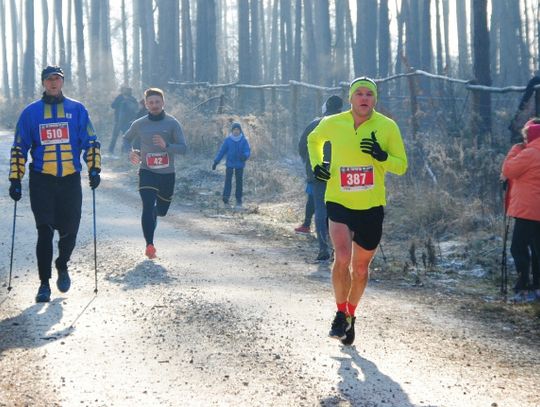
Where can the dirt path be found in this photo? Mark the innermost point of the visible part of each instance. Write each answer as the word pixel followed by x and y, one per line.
pixel 221 319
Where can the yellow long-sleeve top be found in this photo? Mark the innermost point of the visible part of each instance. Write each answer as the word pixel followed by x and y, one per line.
pixel 357 179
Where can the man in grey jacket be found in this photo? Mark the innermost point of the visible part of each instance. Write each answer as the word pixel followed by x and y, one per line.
pixel 155 139
pixel 332 105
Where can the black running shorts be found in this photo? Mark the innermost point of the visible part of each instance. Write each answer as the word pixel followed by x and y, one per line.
pixel 366 224
pixel 163 184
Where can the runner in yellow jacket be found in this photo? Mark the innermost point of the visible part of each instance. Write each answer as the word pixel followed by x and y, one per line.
pixel 365 145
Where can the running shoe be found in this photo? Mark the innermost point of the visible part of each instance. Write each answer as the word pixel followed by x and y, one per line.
pixel 303 230
pixel 349 338
pixel 44 293
pixel 339 326
pixel 323 257
pixel 150 251
pixel 64 282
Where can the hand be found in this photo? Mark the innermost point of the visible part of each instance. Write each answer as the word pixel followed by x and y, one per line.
pixel 159 141
pixel 93 176
pixel 373 148
pixel 135 157
pixel 214 166
pixel 15 190
pixel 321 172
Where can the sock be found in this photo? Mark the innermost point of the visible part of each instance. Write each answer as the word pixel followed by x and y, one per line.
pixel 351 308
pixel 342 307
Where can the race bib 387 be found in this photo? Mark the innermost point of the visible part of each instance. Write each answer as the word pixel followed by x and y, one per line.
pixel 356 178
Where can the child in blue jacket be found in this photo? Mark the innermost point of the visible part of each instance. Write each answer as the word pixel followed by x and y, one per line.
pixel 236 148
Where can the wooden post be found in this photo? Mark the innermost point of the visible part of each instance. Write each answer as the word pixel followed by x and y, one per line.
pixel 414 105
pixel 294 114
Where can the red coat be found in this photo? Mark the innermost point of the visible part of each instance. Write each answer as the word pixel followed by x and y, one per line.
pixel 522 168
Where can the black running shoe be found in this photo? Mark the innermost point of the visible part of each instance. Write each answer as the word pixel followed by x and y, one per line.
pixel 44 293
pixel 339 326
pixel 349 338
pixel 63 283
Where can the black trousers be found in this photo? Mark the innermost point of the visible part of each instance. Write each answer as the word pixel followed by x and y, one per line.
pixel 525 250
pixel 56 204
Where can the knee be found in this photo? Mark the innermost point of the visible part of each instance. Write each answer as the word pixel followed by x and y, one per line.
pixel 45 232
pixel 342 261
pixel 359 272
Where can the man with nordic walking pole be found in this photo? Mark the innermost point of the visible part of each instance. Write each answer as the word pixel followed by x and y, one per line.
pixel 56 130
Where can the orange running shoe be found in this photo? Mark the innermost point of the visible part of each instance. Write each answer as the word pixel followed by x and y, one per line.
pixel 150 251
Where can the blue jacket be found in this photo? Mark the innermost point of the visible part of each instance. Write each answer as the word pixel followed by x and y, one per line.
pixel 55 135
pixel 237 150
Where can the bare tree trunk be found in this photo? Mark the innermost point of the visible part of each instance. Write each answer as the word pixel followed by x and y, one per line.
pixel 29 71
pixel 95 55
pixel 274 44
pixel 366 37
pixel 286 41
pixel 60 33
pixel 481 124
pixel 3 44
pixel 264 41
pixel 297 65
pixel 187 43
pixel 125 63
pixel 438 38
pixel 107 74
pixel 243 42
pixel 14 49
pixel 205 48
pixel 312 73
pixel 447 58
pixel 401 18
pixel 69 48
pixel 323 41
pixel 45 33
pixel 463 45
pixel 384 39
pixel 254 46
pixel 81 59
pixel 340 50
pixel 168 41
pixel 146 20
pixel 136 37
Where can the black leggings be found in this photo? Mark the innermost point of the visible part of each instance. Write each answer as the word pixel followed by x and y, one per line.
pixel 153 206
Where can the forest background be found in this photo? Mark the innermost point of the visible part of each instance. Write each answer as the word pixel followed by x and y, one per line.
pixel 451 73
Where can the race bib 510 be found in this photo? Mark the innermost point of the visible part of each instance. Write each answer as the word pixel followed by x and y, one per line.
pixel 54 133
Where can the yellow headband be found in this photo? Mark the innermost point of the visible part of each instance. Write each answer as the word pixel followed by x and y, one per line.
pixel 363 82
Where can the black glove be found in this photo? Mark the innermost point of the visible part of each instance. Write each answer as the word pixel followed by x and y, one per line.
pixel 93 176
pixel 321 172
pixel 373 148
pixel 214 166
pixel 15 189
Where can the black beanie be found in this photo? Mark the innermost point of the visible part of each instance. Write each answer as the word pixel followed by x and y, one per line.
pixel 334 104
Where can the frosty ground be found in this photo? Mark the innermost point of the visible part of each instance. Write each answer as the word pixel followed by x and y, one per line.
pixel 232 314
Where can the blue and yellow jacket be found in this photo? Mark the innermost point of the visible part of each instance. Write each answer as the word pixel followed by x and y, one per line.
pixel 55 131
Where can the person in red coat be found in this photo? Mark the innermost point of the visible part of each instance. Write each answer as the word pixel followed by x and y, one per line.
pixel 521 168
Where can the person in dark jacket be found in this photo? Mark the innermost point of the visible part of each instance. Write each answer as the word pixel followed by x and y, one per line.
pixel 125 109
pixel 315 188
pixel 236 148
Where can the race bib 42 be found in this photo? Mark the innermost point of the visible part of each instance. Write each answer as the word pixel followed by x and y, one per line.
pixel 157 160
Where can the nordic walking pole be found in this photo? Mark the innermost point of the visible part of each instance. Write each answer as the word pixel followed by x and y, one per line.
pixel 382 252
pixel 504 269
pixel 12 246
pixel 95 241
